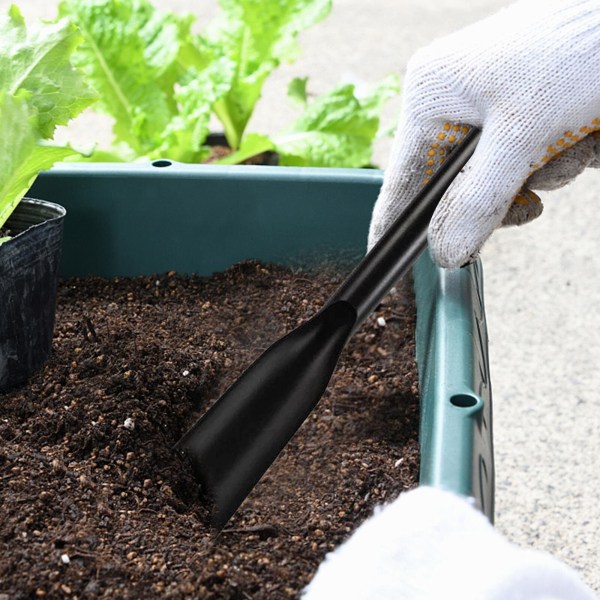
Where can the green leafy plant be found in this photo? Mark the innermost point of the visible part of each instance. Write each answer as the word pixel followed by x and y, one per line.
pixel 138 59
pixel 256 36
pixel 161 83
pixel 336 129
pixel 39 89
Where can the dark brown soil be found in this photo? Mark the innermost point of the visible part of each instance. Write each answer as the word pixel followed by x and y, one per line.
pixel 93 501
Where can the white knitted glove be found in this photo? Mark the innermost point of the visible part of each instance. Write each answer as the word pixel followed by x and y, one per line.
pixel 430 544
pixel 529 77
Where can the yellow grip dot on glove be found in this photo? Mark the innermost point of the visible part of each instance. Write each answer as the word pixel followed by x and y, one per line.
pixel 526 205
pixel 440 148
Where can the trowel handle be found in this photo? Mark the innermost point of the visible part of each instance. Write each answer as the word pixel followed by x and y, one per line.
pixel 405 239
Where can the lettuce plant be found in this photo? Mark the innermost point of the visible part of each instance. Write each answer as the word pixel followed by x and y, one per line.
pixel 336 129
pixel 161 83
pixel 138 58
pixel 256 36
pixel 39 89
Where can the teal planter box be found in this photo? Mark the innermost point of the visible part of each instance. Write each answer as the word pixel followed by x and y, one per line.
pixel 133 219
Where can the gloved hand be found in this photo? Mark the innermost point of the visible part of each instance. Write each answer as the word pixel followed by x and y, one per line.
pixel 430 544
pixel 528 77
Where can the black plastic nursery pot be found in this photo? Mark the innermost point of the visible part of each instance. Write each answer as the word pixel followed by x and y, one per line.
pixel 29 264
pixel 141 219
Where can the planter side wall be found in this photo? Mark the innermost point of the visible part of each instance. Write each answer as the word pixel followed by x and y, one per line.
pixel 454 380
pixel 127 220
pixel 133 219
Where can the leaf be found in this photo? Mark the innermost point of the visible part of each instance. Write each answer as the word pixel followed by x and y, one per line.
pixel 118 153
pixel 252 145
pixel 373 99
pixel 257 35
pixel 336 130
pixel 297 91
pixel 35 64
pixel 39 89
pixel 332 132
pixel 130 54
pixel 185 134
pixel 23 157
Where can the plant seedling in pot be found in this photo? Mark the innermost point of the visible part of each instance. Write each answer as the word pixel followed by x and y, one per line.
pixel 39 89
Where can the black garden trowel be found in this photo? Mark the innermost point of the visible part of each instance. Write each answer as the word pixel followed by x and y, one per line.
pixel 236 441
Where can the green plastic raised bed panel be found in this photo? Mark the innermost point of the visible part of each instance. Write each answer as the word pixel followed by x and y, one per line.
pixel 134 219
pixel 454 379
pixel 137 218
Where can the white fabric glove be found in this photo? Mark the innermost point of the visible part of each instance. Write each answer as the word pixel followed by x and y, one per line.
pixel 529 77
pixel 430 544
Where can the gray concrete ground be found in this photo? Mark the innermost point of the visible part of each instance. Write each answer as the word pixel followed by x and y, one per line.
pixel 542 286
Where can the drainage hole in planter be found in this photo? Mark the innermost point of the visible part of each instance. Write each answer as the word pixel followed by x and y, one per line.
pixel 162 163
pixel 464 401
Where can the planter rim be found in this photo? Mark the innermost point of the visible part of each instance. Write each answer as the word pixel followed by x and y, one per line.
pixel 167 168
pixel 50 211
pixel 60 211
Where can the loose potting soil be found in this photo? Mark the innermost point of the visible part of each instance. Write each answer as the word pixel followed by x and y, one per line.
pixel 95 503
